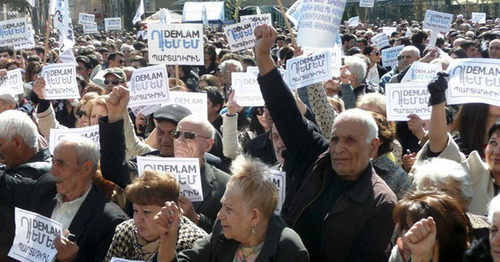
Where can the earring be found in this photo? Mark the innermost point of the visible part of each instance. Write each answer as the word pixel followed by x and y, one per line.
pixel 254 230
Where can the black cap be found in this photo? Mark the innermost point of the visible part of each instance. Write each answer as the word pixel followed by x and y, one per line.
pixel 172 113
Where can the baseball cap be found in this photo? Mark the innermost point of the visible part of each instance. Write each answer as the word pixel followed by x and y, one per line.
pixel 118 72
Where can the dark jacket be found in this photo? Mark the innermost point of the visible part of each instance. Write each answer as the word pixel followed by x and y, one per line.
pixel 93 225
pixel 281 245
pixel 359 226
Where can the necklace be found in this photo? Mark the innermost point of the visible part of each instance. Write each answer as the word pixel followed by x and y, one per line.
pixel 246 252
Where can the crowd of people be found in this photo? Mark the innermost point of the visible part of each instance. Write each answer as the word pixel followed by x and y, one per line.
pixel 358 187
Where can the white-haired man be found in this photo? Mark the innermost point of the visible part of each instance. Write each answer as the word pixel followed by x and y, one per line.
pixel 335 201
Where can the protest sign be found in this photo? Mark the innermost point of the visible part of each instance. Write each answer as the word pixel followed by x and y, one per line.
pixel 172 44
pixel 353 21
pixel 478 18
pixel 308 70
pixel 14 32
pixel 64 25
pixel 113 23
pixel 60 81
pixel 149 85
pixel 84 18
pixel 29 43
pixel 475 80
pixel 12 82
pixel 319 22
pixel 404 99
pixel 380 40
pixel 90 29
pixel 35 236
pixel 246 89
pixel 116 259
pixel 145 109
pixel 388 30
pixel 68 57
pixel 57 134
pixel 437 21
pixel 421 72
pixel 186 171
pixel 279 180
pixel 335 57
pixel 195 102
pixel 366 3
pixel 390 55
pixel 256 20
pixel 293 13
pixel 240 36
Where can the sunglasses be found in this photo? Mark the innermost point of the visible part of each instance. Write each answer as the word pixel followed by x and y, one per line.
pixel 187 134
pixel 81 114
pixel 260 111
pixel 114 81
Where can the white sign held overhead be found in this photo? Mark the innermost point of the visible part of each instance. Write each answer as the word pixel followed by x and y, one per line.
pixel 113 23
pixel 307 70
pixel 149 85
pixel 319 22
pixel 478 17
pixel 56 135
pixel 437 21
pixel 380 40
pixel 14 32
pixel 256 20
pixel 13 82
pixel 84 18
pixel 186 170
pixel 366 3
pixel 353 21
pixel 68 57
pixel 60 81
pixel 240 36
pixel 35 237
pixel 421 72
pixel 474 80
pixel 388 30
pixel 293 13
pixel 90 29
pixel 279 180
pixel 171 44
pixel 195 102
pixel 246 89
pixel 403 99
pixel 390 55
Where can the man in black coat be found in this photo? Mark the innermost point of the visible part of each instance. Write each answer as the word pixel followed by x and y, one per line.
pixel 67 195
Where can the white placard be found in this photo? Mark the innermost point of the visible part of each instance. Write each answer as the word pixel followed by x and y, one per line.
pixel 474 80
pixel 14 32
pixel 246 89
pixel 293 13
pixel 380 40
pixel 113 23
pixel 116 259
pixel 256 20
pixel 186 170
pixel 30 43
pixel 90 29
pixel 437 21
pixel 35 236
pixel 172 44
pixel 279 180
pixel 308 70
pixel 149 85
pixel 388 30
pixel 404 99
pixel 240 36
pixel 90 132
pixel 145 110
pixel 13 81
pixel 478 17
pixel 335 57
pixel 60 81
pixel 319 22
pixel 421 72
pixel 84 18
pixel 195 102
pixel 390 55
pixel 366 3
pixel 353 21
pixel 68 57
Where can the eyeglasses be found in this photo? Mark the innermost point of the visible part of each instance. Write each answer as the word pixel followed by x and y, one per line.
pixel 377 53
pixel 260 111
pixel 187 134
pixel 81 114
pixel 114 81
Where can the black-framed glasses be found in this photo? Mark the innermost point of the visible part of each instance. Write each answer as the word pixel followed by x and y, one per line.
pixel 114 81
pixel 187 134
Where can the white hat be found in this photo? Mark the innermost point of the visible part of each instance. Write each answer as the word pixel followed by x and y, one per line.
pixel 9 97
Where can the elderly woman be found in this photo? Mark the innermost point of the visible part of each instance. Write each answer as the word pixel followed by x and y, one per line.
pixel 246 230
pixel 139 238
pixel 433 225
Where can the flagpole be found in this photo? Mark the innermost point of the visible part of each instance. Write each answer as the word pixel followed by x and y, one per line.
pixel 47 35
pixel 294 42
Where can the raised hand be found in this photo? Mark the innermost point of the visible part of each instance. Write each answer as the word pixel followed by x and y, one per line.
pixel 117 103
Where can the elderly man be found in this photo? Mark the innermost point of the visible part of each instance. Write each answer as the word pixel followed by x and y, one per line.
pixel 175 137
pixel 21 157
pixel 406 57
pixel 7 101
pixel 335 201
pixel 67 195
pixel 227 68
pixel 494 48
